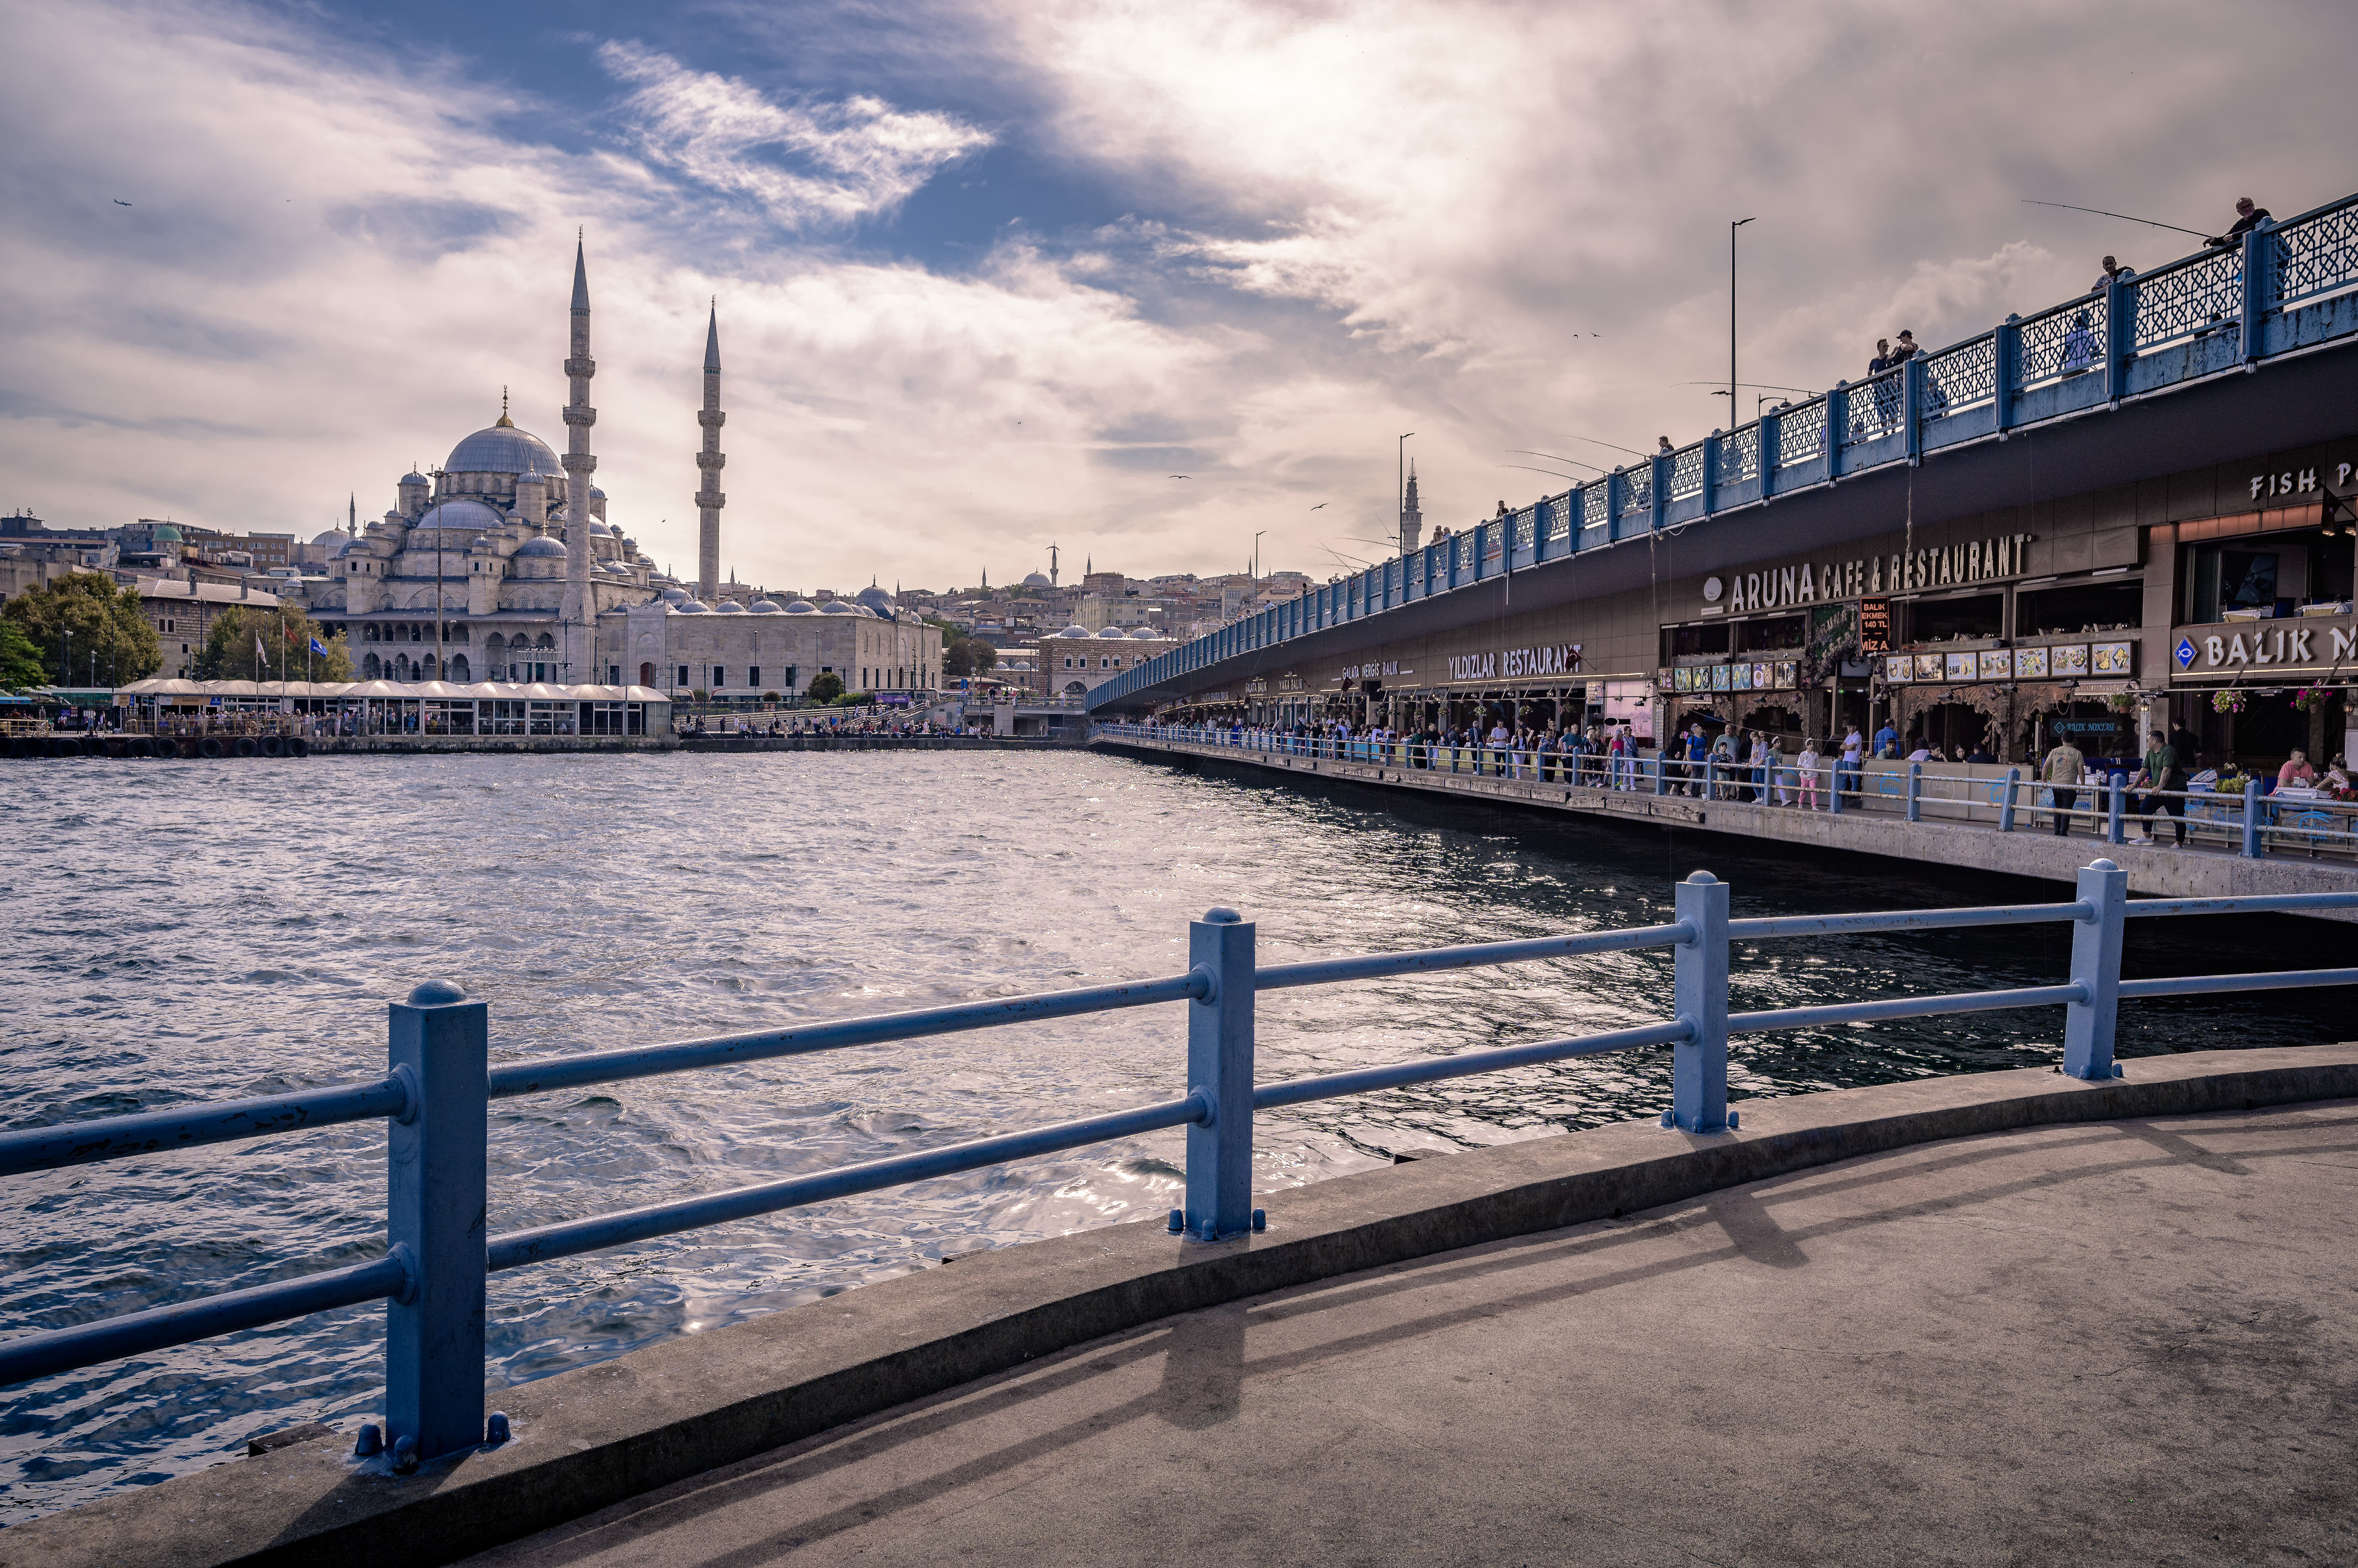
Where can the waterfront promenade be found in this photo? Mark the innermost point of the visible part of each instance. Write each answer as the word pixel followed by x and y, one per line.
pixel 2000 1317
pixel 2211 867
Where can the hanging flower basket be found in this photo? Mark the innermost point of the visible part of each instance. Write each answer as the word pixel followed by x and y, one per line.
pixel 2309 698
pixel 2122 702
pixel 2228 701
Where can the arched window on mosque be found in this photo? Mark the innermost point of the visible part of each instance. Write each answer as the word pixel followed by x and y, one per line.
pixel 370 670
pixel 459 670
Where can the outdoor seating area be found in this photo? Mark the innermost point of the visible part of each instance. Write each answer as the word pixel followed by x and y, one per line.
pixel 173 706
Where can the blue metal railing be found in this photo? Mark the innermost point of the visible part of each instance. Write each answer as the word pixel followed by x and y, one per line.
pixel 436 1094
pixel 2287 286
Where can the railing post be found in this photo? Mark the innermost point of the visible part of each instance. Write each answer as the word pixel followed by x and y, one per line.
pixel 2251 819
pixel 1710 778
pixel 439 1042
pixel 2096 969
pixel 1837 426
pixel 1662 770
pixel 2006 807
pixel 2120 336
pixel 2006 372
pixel 2259 272
pixel 1699 982
pixel 1772 426
pixel 2114 807
pixel 1915 784
pixel 1911 396
pixel 1834 796
pixel 1711 448
pixel 1220 1068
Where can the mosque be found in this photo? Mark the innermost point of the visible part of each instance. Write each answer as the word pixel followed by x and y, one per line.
pixel 504 566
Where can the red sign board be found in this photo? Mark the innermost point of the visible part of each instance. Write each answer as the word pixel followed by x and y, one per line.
pixel 1874 626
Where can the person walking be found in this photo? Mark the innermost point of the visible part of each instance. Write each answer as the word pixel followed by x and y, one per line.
pixel 2160 772
pixel 1697 750
pixel 1806 764
pixel 2062 772
pixel 1847 773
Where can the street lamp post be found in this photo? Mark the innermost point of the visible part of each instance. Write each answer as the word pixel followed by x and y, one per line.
pixel 1732 227
pixel 1399 483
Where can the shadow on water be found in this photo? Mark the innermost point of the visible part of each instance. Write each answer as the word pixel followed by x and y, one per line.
pixel 203 931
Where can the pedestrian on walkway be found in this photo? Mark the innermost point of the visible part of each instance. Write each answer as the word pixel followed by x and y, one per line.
pixel 1697 750
pixel 1846 776
pixel 2160 772
pixel 1806 764
pixel 2062 771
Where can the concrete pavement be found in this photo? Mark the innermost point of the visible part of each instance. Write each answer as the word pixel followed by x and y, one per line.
pixel 2129 1342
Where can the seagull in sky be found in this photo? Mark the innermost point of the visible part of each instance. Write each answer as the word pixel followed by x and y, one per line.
pixel 120 203
pixel 1179 476
pixel 1321 506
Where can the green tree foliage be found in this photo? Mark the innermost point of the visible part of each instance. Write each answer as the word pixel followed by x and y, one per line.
pixel 104 621
pixel 826 688
pixel 852 699
pixel 969 656
pixel 285 632
pixel 20 661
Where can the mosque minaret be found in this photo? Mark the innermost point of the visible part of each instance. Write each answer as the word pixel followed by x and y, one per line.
pixel 709 464
pixel 504 567
pixel 579 615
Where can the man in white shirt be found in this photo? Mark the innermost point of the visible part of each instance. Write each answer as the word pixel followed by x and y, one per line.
pixel 1847 773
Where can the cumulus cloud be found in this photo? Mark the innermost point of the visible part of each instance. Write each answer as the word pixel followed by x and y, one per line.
pixel 806 163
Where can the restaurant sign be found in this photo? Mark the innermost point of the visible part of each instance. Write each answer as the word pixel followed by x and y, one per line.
pixel 1517 663
pixel 2266 644
pixel 1976 560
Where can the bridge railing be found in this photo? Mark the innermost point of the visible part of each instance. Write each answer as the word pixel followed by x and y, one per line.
pixel 439 1081
pixel 2222 308
pixel 2251 817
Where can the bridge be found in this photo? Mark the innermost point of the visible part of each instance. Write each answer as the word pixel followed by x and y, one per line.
pixel 2211 358
pixel 438 1476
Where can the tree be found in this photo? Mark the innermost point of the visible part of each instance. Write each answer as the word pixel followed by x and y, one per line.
pixel 20 660
pixel 969 656
pixel 287 632
pixel 825 689
pixel 101 619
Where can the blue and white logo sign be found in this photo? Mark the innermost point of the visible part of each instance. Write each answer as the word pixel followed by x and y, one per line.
pixel 2185 652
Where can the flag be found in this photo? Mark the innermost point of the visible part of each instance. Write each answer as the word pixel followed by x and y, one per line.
pixel 317 648
pixel 261 656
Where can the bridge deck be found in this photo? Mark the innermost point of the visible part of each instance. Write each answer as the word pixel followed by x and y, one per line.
pixel 2130 1342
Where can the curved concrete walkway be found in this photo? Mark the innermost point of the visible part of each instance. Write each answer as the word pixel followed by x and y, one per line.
pixel 2131 1342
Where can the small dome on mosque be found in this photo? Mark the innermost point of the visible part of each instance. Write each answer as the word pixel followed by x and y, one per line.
pixel 673 595
pixel 599 530
pixel 1115 631
pixel 544 546
pixel 454 516
pixel 618 568
pixel 1038 580
pixel 693 607
pixel 413 478
pixel 838 606
pixel 729 607
pixel 1146 632
pixel 876 599
pixel 330 540
pixel 503 448
pixel 597 494
pixel 802 607
pixel 1075 631
pixel 767 607
pixel 480 542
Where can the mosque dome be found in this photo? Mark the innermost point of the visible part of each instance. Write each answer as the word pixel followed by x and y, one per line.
pixel 599 530
pixel 470 517
pixel 802 607
pixel 875 599
pixel 729 607
pixel 413 478
pixel 1114 632
pixel 1147 632
pixel 767 607
pixel 1038 580
pixel 503 448
pixel 673 595
pixel 330 540
pixel 597 494
pixel 693 607
pixel 618 568
pixel 838 606
pixel 480 542
pixel 541 546
pixel 1075 631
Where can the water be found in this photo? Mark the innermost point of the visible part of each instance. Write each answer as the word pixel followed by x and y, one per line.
pixel 205 930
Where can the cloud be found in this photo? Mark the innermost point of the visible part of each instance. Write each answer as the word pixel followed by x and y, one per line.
pixel 861 156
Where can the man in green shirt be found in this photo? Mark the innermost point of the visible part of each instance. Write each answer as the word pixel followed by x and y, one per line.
pixel 2160 772
pixel 2062 772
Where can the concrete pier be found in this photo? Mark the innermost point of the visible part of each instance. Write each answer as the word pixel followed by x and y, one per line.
pixel 2001 1317
pixel 2210 867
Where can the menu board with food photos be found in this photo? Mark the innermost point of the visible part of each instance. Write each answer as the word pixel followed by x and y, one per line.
pixel 2030 664
pixel 1960 667
pixel 2067 659
pixel 1929 666
pixel 1899 668
pixel 2112 659
pixel 1997 663
pixel 1788 673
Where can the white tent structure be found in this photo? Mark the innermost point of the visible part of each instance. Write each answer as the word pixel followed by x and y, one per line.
pixel 427 707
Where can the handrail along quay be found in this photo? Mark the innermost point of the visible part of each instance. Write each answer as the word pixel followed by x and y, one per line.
pixel 439 1081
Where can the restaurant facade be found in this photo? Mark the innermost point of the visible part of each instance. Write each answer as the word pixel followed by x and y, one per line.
pixel 2215 601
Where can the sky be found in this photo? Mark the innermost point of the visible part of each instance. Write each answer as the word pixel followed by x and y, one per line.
pixel 990 275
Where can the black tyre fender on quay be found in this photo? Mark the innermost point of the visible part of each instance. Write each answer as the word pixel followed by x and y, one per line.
pixel 296 746
pixel 245 746
pixel 272 746
pixel 65 746
pixel 211 746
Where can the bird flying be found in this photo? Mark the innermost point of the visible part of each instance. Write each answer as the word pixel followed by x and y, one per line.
pixel 1178 476
pixel 1320 507
pixel 120 203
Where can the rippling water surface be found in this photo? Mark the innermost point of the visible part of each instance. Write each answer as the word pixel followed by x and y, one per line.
pixel 206 930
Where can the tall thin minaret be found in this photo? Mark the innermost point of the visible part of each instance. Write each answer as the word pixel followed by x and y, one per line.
pixel 580 615
pixel 709 499
pixel 1411 521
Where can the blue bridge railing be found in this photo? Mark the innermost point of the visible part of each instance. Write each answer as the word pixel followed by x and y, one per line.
pixel 439 1081
pixel 2286 287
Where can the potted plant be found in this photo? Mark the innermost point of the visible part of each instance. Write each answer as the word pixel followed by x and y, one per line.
pixel 2227 699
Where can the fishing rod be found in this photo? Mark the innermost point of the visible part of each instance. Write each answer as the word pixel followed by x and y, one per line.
pixel 1576 462
pixel 2122 216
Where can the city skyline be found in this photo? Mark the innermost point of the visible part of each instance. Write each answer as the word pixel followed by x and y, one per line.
pixel 991 278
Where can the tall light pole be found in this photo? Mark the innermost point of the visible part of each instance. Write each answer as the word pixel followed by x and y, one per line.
pixel 1400 483
pixel 1732 227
